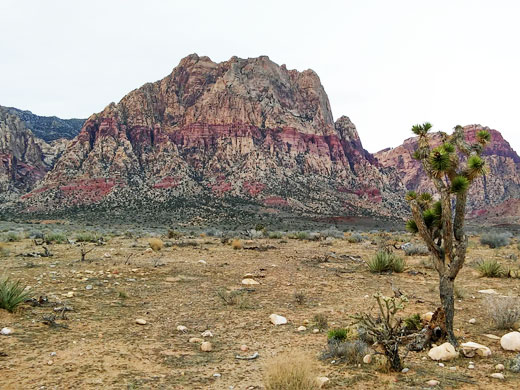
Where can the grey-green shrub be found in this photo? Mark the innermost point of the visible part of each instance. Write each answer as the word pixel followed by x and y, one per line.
pixel 495 240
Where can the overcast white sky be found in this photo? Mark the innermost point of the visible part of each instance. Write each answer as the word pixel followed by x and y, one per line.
pixel 385 64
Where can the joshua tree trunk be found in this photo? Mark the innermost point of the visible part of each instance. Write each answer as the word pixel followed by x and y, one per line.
pixel 392 353
pixel 446 288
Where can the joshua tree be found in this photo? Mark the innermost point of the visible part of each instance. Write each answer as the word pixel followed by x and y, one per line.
pixel 452 166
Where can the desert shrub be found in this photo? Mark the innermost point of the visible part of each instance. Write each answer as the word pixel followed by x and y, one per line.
pixel 299 297
pixel 385 261
pixel 4 251
pixel 341 334
pixel 350 351
pixel 187 243
pixel 355 238
pixel 56 238
pixel 234 298
pixel 415 249
pixel 236 244
pixel 174 234
pixel 299 236
pixel 413 322
pixel 490 268
pixel 156 244
pixel 513 364
pixel 504 311
pixel 212 232
pixel 460 292
pixel 320 321
pixel 331 232
pixel 12 294
pixel 87 237
pixel 275 235
pixel 255 233
pixel 12 237
pixel 495 240
pixel 294 371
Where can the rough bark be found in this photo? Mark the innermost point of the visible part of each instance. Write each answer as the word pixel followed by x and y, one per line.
pixel 446 288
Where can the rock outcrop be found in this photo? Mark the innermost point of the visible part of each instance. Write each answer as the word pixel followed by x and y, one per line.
pixel 488 194
pixel 244 131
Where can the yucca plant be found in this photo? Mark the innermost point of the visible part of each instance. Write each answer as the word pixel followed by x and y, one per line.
pixel 451 167
pixel 491 269
pixel 384 261
pixel 12 294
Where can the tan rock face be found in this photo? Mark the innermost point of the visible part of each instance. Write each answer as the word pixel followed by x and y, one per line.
pixel 242 129
pixel 488 194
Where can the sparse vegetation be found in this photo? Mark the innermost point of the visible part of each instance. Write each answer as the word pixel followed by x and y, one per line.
pixel 415 250
pixel 413 322
pixel 12 237
pixel 355 238
pixel 504 311
pixel 236 244
pixel 294 371
pixel 275 235
pixel 4 251
pixel 56 238
pixel 156 244
pixel 87 237
pixel 351 352
pixel 490 268
pixel 320 321
pixel 385 261
pixel 12 294
pixel 495 240
pixel 299 297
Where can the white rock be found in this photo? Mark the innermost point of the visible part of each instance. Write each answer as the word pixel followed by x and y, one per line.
pixel 203 262
pixel 6 331
pixel 471 349
pixel 433 382
pixel 453 368
pixel 427 317
pixel 499 367
pixel 206 346
pixel 217 375
pixel 302 329
pixel 207 333
pixel 443 352
pixel 492 336
pixel 367 359
pixel 497 375
pixel 315 330
pixel 471 366
pixel 53 353
pixel 488 291
pixel 140 321
pixel 182 328
pixel 472 321
pixel 107 255
pixel 405 370
pixel 244 348
pixel 322 381
pixel 70 294
pixel 89 287
pixel 249 282
pixel 511 341
pixel 441 364
pixel 277 319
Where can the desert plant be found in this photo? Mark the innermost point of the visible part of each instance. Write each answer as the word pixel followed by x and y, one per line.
pixel 413 322
pixel 12 294
pixel 352 351
pixel 56 238
pixel 490 268
pixel 320 321
pixel 339 334
pixel 504 311
pixel 495 240
pixel 84 251
pixel 12 237
pixel 384 261
pixel 274 235
pixel 294 371
pixel 236 244
pixel 415 249
pixel 156 244
pixel 355 238
pixel 441 227
pixel 299 297
pixel 386 329
pixel 4 251
pixel 87 237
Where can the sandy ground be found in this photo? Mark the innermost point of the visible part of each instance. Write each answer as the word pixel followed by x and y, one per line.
pixel 102 346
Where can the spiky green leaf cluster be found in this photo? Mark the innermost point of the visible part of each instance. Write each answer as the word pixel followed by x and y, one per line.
pixel 439 160
pixel 411 195
pixel 421 129
pixel 483 137
pixel 459 184
pixel 411 226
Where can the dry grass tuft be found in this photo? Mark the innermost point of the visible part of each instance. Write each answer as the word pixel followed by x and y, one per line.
pixel 292 371
pixel 504 311
pixel 236 244
pixel 156 244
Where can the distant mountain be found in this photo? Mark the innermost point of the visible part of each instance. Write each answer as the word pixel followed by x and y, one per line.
pixel 501 184
pixel 48 128
pixel 244 133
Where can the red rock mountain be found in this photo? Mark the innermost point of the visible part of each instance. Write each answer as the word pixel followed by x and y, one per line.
pixel 487 194
pixel 241 132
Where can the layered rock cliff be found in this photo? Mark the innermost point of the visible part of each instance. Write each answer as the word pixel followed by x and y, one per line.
pixel 245 130
pixel 487 193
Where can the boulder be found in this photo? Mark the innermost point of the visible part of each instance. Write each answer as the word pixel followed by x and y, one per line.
pixel 443 352
pixel 277 319
pixel 471 349
pixel 511 341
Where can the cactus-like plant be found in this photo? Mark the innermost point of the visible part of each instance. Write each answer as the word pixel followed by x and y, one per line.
pixel 452 167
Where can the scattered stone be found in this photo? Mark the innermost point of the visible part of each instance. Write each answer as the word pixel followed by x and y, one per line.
pixel 443 352
pixel 217 375
pixel 315 330
pixel 305 322
pixel 89 287
pixel 107 255
pixel 499 367
pixel 148 250
pixel 471 366
pixel 203 262
pixel 182 328
pixel 248 276
pixel 322 381
pixel 511 341
pixel 50 362
pixel 70 294
pixel 302 329
pixel 433 383
pixel 207 333
pixel 140 321
pixel 206 346
pixel 53 353
pixel 250 357
pixel 453 368
pixel 249 282
pixel 497 375
pixel 441 364
pixel 244 348
pixel 471 349
pixel 488 291
pixel 196 340
pixel 367 359
pixel 277 319
pixel 405 370
pixel 427 317
pixel 6 331
pixel 492 336
pixel 472 321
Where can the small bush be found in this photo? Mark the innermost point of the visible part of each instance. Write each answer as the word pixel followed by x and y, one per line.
pixel 495 240
pixel 504 311
pixel 174 234
pixel 234 298
pixel 355 238
pixel 299 236
pixel 299 297
pixel 384 261
pixel 236 244
pixel 320 321
pixel 490 269
pixel 331 232
pixel 13 237
pixel 413 323
pixel 4 251
pixel 87 237
pixel 350 351
pixel 56 238
pixel 415 250
pixel 156 244
pixel 275 235
pixel 340 334
pixel 12 294
pixel 459 292
pixel 294 371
